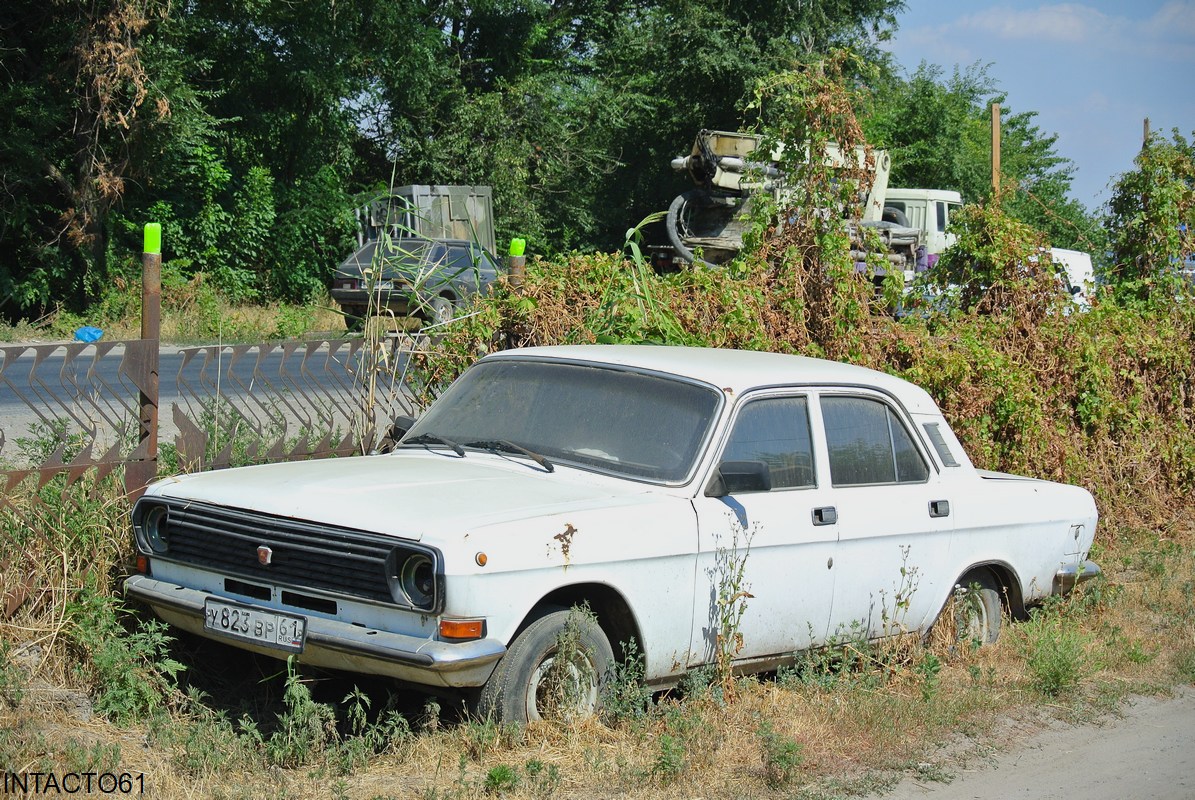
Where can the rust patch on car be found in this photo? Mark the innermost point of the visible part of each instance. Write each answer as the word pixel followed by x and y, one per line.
pixel 565 538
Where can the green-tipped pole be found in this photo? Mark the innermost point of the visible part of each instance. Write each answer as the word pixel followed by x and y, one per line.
pixel 153 239
pixel 517 262
pixel 143 467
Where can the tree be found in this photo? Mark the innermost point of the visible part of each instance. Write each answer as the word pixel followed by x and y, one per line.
pixel 938 131
pixel 1151 221
pixel 77 95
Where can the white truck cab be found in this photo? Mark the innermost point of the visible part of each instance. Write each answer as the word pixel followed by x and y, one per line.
pixel 928 210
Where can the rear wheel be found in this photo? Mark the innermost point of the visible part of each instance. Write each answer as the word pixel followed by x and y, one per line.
pixel 354 317
pixel 978 610
pixel 554 670
pixel 441 310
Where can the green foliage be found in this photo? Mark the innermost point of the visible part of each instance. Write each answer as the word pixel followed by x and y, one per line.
pixel 501 779
pixel 997 264
pixel 305 729
pixel 1152 222
pixel 733 592
pixel 671 758
pixel 1056 650
pixel 782 756
pixel 625 695
pixel 12 679
pixel 133 672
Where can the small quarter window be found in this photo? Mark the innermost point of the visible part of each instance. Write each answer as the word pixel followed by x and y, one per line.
pixel 775 430
pixel 868 444
pixel 939 442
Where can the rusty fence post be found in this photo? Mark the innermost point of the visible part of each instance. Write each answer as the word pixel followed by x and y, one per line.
pixel 144 466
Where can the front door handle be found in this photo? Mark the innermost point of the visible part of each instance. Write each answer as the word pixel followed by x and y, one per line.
pixel 827 515
pixel 939 508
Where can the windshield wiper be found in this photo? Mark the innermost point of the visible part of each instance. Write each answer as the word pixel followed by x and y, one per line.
pixel 424 438
pixel 502 445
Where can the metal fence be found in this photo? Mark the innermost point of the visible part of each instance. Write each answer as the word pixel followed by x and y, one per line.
pixel 127 410
pixel 71 408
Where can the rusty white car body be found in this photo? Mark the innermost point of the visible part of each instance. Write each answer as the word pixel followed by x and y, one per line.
pixel 621 477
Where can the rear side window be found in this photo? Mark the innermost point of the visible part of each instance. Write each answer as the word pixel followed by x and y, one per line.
pixel 775 430
pixel 939 442
pixel 868 444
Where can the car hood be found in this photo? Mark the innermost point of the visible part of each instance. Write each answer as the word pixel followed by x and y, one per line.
pixel 406 494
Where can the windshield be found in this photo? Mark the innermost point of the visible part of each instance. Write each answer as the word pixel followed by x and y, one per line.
pixel 641 426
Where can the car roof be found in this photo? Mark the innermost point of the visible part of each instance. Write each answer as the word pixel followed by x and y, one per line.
pixel 736 370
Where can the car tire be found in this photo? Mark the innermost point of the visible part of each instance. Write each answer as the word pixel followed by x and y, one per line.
pixel 527 686
pixel 978 610
pixel 441 310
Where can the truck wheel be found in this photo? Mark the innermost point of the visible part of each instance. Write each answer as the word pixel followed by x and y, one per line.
pixel 679 224
pixel 545 676
pixel 978 610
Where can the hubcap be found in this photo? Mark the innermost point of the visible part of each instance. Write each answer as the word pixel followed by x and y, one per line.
pixel 566 691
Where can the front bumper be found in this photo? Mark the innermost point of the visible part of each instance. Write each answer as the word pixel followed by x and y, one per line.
pixel 340 645
pixel 1071 575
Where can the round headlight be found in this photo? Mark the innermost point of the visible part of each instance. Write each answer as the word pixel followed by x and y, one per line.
pixel 153 527
pixel 418 580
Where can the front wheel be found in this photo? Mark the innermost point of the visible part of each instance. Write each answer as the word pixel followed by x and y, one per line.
pixel 554 670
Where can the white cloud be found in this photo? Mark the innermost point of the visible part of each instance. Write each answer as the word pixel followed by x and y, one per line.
pixel 1173 21
pixel 1065 23
pixel 1169 33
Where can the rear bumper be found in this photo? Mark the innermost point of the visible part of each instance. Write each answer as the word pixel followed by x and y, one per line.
pixel 340 645
pixel 397 300
pixel 1071 575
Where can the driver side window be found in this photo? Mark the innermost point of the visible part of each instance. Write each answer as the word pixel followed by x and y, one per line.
pixel 775 430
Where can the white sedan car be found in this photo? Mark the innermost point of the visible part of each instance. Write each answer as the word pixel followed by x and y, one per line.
pixel 626 478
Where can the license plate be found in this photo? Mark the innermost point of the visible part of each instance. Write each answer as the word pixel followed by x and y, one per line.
pixel 267 628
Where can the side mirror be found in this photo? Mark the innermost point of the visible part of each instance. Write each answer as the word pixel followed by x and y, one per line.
pixel 399 428
pixel 733 477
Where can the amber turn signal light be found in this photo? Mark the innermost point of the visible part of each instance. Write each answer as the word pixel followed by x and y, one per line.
pixel 462 628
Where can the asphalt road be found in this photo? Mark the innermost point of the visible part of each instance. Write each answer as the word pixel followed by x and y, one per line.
pixel 1148 754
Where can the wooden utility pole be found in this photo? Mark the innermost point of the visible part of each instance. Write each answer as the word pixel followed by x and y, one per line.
pixel 1145 133
pixel 996 150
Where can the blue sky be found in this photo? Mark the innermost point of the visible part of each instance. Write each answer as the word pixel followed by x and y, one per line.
pixel 1093 70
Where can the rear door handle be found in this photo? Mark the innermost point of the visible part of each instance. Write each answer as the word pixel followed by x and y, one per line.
pixel 939 508
pixel 827 515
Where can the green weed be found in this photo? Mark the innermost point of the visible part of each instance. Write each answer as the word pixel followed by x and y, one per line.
pixel 670 760
pixel 782 756
pixel 1055 651
pixel 625 697
pixel 132 671
pixel 542 780
pixel 501 779
pixel 305 729
pixel 730 567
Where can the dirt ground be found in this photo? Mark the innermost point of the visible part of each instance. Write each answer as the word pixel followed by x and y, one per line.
pixel 1148 753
